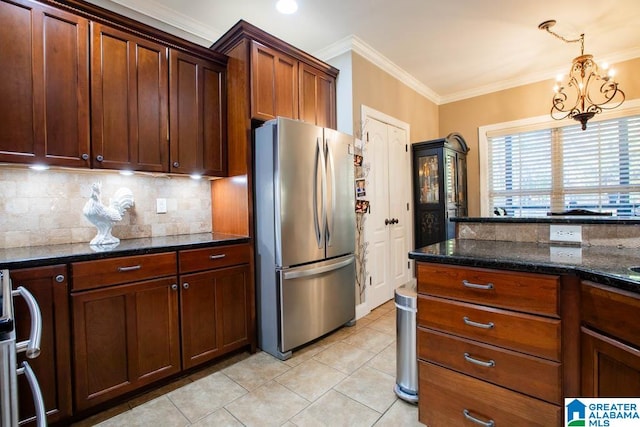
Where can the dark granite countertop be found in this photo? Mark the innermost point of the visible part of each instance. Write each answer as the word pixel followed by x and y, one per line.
pixel 35 256
pixel 555 219
pixel 601 264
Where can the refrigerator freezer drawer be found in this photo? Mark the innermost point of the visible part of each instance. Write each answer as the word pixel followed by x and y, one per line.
pixel 315 300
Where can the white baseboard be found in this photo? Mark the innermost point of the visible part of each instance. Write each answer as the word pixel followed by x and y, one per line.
pixel 362 310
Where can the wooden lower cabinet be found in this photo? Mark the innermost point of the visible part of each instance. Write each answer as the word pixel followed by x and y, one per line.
pixel 448 398
pixel 49 286
pixel 610 368
pixel 125 337
pixel 214 308
pixel 610 342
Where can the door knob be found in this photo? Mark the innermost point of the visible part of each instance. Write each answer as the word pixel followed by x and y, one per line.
pixel 395 221
pixel 386 221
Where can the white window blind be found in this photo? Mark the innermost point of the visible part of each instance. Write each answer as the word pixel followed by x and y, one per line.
pixel 535 172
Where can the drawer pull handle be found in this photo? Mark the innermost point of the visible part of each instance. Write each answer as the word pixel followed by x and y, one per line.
pixel 476 324
pixel 489 364
pixel 486 287
pixel 470 417
pixel 214 257
pixel 131 268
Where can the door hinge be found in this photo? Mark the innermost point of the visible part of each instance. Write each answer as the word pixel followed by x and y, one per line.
pixel 367 136
pixel 408 265
pixel 407 205
pixel 370 283
pixel 406 148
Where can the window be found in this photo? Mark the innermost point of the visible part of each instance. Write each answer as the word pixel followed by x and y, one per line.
pixel 533 172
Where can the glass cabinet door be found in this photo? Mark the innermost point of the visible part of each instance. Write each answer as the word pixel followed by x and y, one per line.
pixel 451 167
pixel 462 181
pixel 428 179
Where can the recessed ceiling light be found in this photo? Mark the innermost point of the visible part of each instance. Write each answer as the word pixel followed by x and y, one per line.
pixel 287 6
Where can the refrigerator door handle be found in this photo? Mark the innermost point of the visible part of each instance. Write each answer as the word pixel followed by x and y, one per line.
pixel 332 173
pixel 316 219
pixel 318 270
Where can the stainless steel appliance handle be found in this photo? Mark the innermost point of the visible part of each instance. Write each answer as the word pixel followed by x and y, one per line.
pixel 332 172
pixel 318 270
pixel 316 220
pixel 38 401
pixel 32 346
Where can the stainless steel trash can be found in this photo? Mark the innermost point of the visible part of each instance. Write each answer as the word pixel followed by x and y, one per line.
pixel 406 299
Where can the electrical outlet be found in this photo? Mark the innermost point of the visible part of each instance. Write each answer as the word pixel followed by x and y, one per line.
pixel 161 206
pixel 565 233
pixel 567 254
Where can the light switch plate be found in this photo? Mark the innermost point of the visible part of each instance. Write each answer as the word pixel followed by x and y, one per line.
pixel 565 233
pixel 161 206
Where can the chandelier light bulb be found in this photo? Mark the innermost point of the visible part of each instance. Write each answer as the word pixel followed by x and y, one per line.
pixel 605 65
pixel 287 6
pixel 559 77
pixel 611 73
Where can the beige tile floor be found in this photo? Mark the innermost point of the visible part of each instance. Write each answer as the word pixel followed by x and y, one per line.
pixel 345 379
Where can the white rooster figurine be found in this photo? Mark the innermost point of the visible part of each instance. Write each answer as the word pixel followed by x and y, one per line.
pixel 104 217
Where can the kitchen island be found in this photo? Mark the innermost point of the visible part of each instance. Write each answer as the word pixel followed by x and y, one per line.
pixel 507 330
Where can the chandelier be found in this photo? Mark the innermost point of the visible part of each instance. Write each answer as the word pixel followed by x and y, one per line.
pixel 587 92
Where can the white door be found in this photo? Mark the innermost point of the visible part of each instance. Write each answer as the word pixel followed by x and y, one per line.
pixel 388 223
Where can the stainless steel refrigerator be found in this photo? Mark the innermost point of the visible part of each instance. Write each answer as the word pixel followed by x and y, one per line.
pixel 305 233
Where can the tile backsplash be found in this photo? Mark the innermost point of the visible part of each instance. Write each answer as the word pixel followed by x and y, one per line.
pixel 45 208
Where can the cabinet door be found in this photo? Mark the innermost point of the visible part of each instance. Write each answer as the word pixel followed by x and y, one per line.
pixel 124 337
pixel 129 107
pixel 49 286
pixel 198 120
pixel 317 97
pixel 44 113
pixel 274 84
pixel 610 368
pixel 214 310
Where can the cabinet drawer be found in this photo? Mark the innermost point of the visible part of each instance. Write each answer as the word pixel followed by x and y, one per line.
pixel 113 271
pixel 493 364
pixel 535 335
pixel 611 310
pixel 526 292
pixel 208 258
pixel 446 396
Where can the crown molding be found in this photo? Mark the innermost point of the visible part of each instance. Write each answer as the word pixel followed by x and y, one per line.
pixel 357 45
pixel 612 59
pixel 172 17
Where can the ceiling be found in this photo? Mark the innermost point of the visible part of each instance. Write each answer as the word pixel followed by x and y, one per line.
pixel 447 50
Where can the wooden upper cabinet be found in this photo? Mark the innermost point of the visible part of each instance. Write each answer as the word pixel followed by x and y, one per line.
pixel 274 84
pixel 197 116
pixel 129 100
pixel 44 113
pixel 317 97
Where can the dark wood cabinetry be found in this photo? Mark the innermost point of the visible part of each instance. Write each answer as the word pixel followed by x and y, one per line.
pixel 53 52
pixel 439 188
pixel 50 286
pixel 135 322
pixel 610 341
pixel 274 83
pixel 44 113
pixel 125 336
pixel 216 302
pixel 129 101
pixel 478 331
pixel 197 116
pixel 317 97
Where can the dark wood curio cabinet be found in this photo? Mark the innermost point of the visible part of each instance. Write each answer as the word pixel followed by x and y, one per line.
pixel 439 187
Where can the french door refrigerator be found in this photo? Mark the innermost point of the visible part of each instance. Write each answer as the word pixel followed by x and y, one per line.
pixel 305 233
